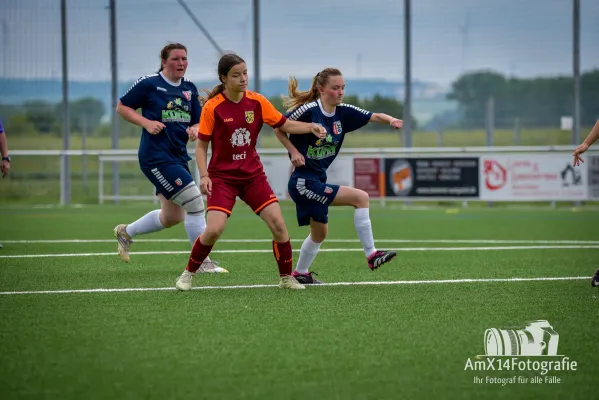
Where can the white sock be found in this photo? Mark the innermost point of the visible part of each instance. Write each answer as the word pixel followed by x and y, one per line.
pixel 364 230
pixel 195 225
pixel 147 224
pixel 307 255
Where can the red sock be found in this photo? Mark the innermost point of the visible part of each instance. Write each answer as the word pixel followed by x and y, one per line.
pixel 199 252
pixel 284 257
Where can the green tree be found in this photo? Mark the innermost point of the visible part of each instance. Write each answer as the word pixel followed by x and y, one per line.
pixel 385 105
pixel 536 102
pixel 41 114
pixel 84 114
pixel 19 125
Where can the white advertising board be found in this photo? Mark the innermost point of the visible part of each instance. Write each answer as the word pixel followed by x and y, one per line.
pixel 279 168
pixel 531 177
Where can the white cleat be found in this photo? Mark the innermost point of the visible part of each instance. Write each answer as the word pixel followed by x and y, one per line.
pixel 289 282
pixel 211 267
pixel 124 241
pixel 184 281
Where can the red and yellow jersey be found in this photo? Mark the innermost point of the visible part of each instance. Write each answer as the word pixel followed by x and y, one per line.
pixel 233 129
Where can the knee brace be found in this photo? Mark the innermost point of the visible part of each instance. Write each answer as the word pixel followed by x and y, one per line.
pixel 190 199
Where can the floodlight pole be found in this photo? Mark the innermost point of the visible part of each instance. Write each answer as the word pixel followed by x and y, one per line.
pixel 576 70
pixel 65 174
pixel 407 106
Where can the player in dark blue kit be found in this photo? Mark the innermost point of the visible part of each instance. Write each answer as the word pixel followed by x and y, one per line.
pixel 170 116
pixel 311 156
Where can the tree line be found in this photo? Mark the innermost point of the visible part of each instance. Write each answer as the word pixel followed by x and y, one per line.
pixel 87 115
pixel 534 102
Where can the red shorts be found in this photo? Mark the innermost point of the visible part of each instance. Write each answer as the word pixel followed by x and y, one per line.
pixel 255 192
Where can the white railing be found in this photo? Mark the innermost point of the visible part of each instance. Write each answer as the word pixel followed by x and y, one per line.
pixel 342 171
pixel 346 150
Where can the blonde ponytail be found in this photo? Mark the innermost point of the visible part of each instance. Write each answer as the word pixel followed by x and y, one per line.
pixel 297 98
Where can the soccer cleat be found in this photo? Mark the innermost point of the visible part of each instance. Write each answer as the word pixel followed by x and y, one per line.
pixel 184 281
pixel 595 280
pixel 211 267
pixel 379 258
pixel 289 282
pixel 124 241
pixel 307 279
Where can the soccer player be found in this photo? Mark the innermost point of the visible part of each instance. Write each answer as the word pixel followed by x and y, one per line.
pixel 231 119
pixel 308 186
pixel 592 137
pixel 169 107
pixel 5 165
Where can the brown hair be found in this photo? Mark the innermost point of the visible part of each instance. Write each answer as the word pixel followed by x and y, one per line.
pixel 225 64
pixel 166 51
pixel 297 98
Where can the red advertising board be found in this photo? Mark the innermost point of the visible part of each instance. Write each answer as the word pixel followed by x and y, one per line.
pixel 367 175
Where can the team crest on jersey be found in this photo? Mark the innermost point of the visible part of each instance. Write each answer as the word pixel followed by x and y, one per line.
pixel 337 128
pixel 187 95
pixel 249 117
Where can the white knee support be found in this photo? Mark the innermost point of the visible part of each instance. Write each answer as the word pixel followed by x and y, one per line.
pixel 190 199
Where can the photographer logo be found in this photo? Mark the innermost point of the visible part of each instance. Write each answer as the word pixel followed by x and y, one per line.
pixel 530 349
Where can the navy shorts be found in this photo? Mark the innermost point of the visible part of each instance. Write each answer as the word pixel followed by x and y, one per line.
pixel 312 198
pixel 168 179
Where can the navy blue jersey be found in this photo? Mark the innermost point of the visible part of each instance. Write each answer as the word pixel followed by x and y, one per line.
pixel 176 106
pixel 320 153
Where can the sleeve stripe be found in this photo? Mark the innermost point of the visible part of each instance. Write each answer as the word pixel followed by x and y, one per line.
pixel 139 80
pixel 301 110
pixel 355 108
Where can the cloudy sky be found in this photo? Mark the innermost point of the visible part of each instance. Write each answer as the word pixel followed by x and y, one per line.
pixel 364 38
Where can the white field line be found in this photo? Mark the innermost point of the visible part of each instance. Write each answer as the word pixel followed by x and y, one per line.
pixel 495 248
pixel 375 283
pixel 450 241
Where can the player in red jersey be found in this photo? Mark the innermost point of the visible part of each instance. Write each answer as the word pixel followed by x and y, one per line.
pixel 231 119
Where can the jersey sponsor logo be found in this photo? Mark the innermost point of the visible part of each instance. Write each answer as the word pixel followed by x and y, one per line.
pixel 178 182
pixel 249 117
pixel 175 116
pixel 328 190
pixel 237 157
pixel 241 137
pixel 228 120
pixel 337 128
pixel 327 139
pixel 319 153
pixel 176 111
pixel 187 94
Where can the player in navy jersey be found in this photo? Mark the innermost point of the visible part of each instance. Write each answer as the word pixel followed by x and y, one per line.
pixel 170 108
pixel 591 138
pixel 308 186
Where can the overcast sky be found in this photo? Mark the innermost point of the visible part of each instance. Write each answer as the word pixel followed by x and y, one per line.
pixel 363 38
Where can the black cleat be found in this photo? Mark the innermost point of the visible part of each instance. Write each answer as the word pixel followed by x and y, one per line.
pixel 379 258
pixel 595 280
pixel 307 279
